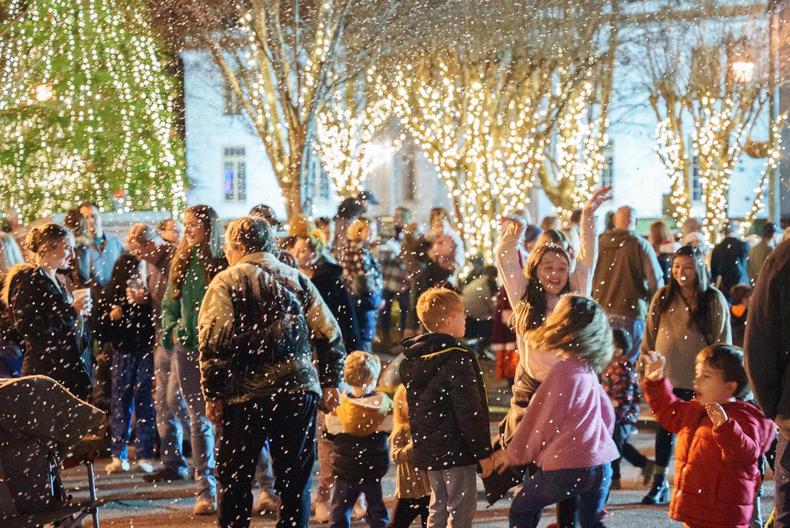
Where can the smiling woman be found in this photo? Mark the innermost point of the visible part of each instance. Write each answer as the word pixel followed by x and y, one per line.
pixel 46 315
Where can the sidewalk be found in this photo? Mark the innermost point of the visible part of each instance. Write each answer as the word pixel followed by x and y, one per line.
pixel 128 501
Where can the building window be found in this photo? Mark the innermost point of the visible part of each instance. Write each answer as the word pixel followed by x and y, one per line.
pixel 607 171
pixel 409 175
pixel 231 101
pixel 235 174
pixel 696 185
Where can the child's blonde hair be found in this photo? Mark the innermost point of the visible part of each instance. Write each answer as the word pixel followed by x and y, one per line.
pixel 357 227
pixel 400 411
pixel 579 327
pixel 361 368
pixel 435 305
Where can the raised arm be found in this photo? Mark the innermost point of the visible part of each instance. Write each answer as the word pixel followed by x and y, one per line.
pixel 508 263
pixel 581 281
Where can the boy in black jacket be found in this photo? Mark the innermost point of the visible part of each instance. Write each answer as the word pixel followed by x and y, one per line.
pixel 448 409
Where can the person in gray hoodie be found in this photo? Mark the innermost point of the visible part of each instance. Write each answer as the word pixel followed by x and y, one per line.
pixel 626 276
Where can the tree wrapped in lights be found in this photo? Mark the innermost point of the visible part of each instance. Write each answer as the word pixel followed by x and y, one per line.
pixel 86 110
pixel 283 62
pixel 484 109
pixel 347 126
pixel 697 90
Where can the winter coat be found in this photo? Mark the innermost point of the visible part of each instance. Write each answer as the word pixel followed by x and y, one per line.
pixel 568 423
pixel 180 316
pixel 258 325
pixel 328 280
pixel 728 264
pixel 632 262
pixel 448 407
pixel 360 429
pixel 757 256
pixel 410 482
pixel 361 274
pixel 134 331
pixel 767 341
pixel 716 477
pixel 54 334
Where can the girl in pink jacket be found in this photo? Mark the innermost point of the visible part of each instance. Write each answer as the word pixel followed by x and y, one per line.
pixel 565 435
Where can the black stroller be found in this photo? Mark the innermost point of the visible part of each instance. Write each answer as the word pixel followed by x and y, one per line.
pixel 39 422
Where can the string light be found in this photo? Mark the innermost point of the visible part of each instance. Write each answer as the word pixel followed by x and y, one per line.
pixel 774 156
pixel 86 111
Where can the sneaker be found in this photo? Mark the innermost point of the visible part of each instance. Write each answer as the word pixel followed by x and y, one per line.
pixel 360 509
pixel 267 503
pixel 165 475
pixel 321 512
pixel 145 465
pixel 117 466
pixel 205 507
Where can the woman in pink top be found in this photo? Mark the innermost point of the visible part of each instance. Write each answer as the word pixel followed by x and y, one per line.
pixel 565 434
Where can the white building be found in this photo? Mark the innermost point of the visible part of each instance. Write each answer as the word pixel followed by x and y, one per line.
pixel 228 168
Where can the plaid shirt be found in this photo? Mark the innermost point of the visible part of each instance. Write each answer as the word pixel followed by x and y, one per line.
pixel 394 270
pixel 359 267
pixel 620 383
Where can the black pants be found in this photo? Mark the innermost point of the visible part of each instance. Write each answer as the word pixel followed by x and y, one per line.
pixel 287 421
pixel 665 441
pixel 621 434
pixel 406 510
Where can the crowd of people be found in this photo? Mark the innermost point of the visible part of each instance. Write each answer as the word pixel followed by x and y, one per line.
pixel 262 340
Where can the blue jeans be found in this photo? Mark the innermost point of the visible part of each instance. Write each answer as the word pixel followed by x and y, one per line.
pixel 590 486
pixel 635 328
pixel 346 494
pixel 132 390
pixel 367 319
pixel 171 410
pixel 287 421
pixel 202 432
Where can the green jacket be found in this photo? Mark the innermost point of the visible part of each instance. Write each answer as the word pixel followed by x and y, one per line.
pixel 180 316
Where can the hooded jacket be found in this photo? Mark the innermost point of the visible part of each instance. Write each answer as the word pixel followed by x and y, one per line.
pixel 716 478
pixel 258 325
pixel 767 341
pixel 448 409
pixel 626 275
pixel 360 427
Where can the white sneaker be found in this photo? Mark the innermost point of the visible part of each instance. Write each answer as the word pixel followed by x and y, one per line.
pixel 321 512
pixel 205 507
pixel 267 503
pixel 145 465
pixel 360 509
pixel 117 466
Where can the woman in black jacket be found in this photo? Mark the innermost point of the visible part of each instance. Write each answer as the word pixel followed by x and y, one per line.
pixel 47 316
pixel 124 317
pixel 327 276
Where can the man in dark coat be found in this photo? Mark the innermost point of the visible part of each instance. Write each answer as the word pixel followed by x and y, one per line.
pixel 767 356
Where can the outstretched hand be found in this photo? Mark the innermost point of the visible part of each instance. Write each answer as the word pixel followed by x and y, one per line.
pixel 716 413
pixel 597 199
pixel 654 363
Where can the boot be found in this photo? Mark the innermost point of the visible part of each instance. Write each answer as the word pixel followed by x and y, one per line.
pixel 659 492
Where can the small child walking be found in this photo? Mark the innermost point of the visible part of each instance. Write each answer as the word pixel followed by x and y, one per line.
pixel 565 435
pixel 621 385
pixel 412 489
pixel 720 439
pixel 448 408
pixel 360 427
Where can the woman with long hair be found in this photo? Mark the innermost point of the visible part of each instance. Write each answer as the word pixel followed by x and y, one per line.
pixel 685 316
pixel 10 341
pixel 196 261
pixel 48 317
pixel 534 290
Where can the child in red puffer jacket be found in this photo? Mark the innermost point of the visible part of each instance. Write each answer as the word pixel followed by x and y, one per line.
pixel 720 439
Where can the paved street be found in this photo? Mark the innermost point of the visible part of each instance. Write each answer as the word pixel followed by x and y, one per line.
pixel 128 501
